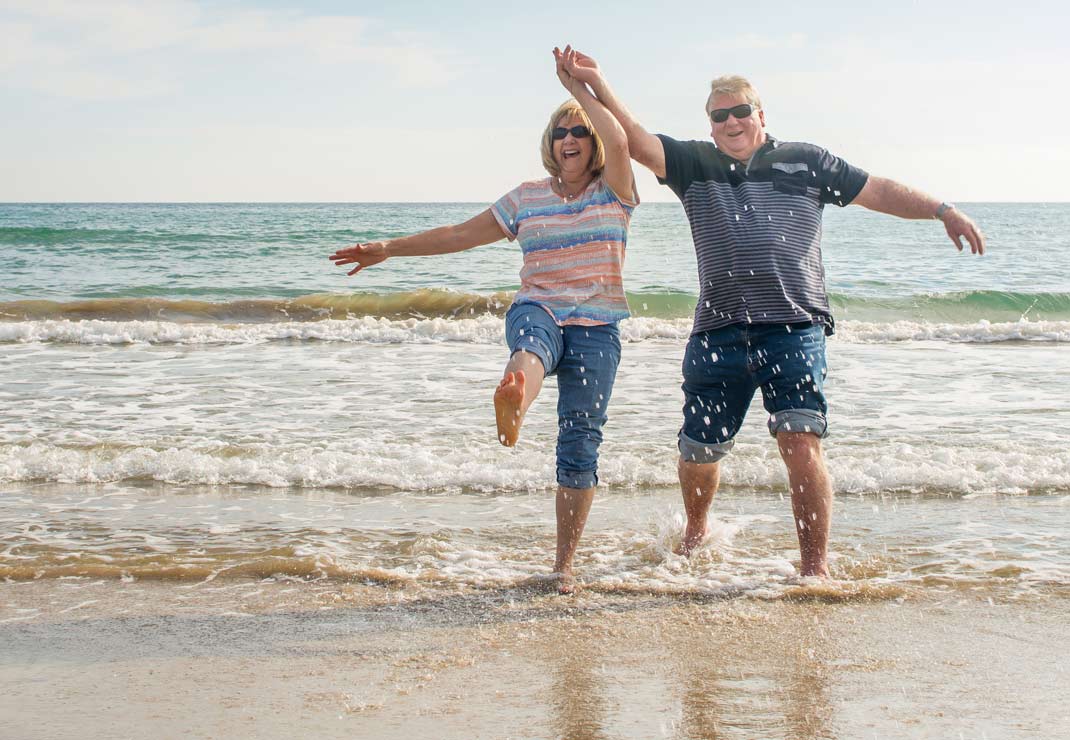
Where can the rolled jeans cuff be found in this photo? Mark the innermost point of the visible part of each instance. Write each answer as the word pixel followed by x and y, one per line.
pixel 799 420
pixel 698 452
pixel 574 479
pixel 534 345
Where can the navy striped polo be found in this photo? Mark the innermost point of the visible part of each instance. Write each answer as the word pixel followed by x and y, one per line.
pixel 757 228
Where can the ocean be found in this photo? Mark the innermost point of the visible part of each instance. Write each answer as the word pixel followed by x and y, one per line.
pixel 154 357
pixel 196 401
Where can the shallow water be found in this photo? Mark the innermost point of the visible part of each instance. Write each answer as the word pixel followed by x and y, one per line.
pixel 193 393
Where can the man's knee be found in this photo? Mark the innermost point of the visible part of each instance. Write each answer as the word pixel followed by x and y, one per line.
pixel 799 448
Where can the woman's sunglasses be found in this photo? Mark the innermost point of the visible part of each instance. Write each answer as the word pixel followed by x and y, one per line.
pixel 579 132
pixel 720 115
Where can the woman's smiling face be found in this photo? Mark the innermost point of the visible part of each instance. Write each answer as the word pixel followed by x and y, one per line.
pixel 573 155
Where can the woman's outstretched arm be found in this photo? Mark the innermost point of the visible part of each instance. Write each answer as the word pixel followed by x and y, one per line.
pixel 482 229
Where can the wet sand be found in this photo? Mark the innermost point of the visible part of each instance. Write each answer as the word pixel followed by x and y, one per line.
pixel 272 659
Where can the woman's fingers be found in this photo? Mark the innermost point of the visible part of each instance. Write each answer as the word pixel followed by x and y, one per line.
pixel 357 253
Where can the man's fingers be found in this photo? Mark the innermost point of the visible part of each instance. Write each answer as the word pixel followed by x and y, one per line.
pixel 973 236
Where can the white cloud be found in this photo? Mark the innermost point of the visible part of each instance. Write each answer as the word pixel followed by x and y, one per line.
pixel 90 49
pixel 21 48
pixel 748 41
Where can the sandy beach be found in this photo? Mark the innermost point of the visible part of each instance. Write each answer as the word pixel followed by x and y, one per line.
pixel 279 659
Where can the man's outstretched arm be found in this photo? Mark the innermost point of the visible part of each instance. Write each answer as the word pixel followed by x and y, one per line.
pixel 889 196
pixel 645 148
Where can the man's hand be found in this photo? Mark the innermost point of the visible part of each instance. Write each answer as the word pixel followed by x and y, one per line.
pixel 364 255
pixel 959 225
pixel 580 66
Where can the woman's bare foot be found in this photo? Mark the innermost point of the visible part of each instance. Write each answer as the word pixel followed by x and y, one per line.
pixel 566 582
pixel 693 537
pixel 508 399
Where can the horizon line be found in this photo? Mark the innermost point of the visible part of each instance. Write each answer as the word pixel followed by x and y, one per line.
pixel 393 202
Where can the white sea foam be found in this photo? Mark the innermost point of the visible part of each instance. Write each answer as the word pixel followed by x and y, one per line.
pixel 978 332
pixel 1012 468
pixel 485 329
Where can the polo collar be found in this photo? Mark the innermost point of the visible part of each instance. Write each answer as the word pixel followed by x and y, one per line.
pixel 769 145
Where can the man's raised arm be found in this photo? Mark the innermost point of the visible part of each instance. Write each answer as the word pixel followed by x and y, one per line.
pixel 889 196
pixel 645 148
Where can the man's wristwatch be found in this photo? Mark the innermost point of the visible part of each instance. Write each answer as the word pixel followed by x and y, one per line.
pixel 944 208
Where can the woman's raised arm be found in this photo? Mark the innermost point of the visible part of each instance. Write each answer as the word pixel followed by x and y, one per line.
pixel 618 171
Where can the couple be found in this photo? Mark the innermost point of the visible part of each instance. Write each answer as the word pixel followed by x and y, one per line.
pixel 754 204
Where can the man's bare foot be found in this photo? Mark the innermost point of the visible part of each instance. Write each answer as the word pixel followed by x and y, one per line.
pixel 693 537
pixel 508 398
pixel 566 582
pixel 814 570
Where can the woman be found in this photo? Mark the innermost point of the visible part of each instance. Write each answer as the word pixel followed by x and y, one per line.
pixel 572 228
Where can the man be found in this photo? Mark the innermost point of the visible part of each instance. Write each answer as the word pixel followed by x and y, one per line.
pixel 755 205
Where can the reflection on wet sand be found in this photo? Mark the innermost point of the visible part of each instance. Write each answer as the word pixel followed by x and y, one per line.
pixel 577 701
pixel 697 671
pixel 736 681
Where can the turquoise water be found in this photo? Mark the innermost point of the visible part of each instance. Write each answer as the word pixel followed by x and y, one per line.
pixel 230 252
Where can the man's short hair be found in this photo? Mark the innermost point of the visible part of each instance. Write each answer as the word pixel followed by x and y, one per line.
pixel 735 85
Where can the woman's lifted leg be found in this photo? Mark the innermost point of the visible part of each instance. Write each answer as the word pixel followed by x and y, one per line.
pixel 521 383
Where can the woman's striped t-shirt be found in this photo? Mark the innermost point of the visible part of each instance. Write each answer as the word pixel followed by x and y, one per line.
pixel 573 250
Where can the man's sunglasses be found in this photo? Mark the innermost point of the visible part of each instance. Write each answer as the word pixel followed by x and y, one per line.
pixel 720 115
pixel 560 132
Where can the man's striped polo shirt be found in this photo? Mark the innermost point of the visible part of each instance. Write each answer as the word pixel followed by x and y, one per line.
pixel 757 228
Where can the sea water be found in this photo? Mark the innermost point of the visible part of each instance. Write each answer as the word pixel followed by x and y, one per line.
pixel 194 392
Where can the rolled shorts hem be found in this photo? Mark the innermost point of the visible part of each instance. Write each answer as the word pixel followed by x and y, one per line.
pixel 698 452
pixel 572 479
pixel 799 420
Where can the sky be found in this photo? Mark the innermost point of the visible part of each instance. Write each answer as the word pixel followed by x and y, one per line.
pixel 251 100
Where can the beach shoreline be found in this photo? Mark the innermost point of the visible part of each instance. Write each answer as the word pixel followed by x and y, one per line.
pixel 275 658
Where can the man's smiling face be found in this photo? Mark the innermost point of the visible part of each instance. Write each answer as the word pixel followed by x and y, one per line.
pixel 736 137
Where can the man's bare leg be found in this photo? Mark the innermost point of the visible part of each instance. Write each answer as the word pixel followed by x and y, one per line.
pixel 698 483
pixel 573 506
pixel 521 383
pixel 811 498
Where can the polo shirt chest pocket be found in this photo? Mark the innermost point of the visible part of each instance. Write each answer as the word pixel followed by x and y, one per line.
pixel 791 178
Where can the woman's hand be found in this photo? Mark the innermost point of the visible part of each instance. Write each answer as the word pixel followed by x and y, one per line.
pixel 364 255
pixel 567 80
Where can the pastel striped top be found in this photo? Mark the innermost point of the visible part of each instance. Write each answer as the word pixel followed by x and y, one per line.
pixel 573 250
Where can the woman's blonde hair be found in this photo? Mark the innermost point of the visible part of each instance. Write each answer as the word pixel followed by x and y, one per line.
pixel 568 109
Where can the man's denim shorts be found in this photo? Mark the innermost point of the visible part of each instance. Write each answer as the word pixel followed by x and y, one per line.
pixel 722 369
pixel 585 360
